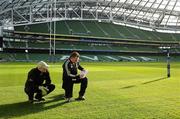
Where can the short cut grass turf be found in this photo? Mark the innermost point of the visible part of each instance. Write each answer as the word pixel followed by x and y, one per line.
pixel 122 90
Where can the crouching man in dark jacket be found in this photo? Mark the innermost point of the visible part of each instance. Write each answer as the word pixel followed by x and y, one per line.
pixel 38 82
pixel 71 77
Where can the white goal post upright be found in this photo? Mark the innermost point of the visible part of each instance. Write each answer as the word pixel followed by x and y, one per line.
pixel 55 8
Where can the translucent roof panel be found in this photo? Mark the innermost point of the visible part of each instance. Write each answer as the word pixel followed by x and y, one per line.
pixel 164 14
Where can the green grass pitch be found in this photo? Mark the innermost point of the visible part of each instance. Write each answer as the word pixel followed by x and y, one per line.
pixel 123 90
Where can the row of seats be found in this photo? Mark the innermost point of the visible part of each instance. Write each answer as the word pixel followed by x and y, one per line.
pixel 27 57
pixel 62 57
pixel 77 46
pixel 99 29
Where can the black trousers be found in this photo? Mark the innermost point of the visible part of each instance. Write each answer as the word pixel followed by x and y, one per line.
pixel 31 89
pixel 68 87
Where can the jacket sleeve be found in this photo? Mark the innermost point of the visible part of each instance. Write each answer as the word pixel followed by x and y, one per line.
pixel 80 67
pixel 48 79
pixel 67 70
pixel 31 76
pixel 31 80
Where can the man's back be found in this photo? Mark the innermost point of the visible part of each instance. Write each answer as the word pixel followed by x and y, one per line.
pixel 35 77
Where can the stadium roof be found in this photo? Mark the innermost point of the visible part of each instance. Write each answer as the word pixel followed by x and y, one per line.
pixel 154 14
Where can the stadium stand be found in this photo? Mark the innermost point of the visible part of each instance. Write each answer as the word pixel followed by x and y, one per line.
pixel 96 41
pixel 99 29
pixel 94 28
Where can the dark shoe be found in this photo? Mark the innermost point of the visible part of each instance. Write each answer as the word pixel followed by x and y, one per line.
pixel 80 98
pixel 30 101
pixel 68 100
pixel 41 99
pixel 38 101
pixel 64 97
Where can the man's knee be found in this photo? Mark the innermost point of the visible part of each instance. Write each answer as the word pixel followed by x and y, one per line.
pixel 51 87
pixel 28 90
pixel 85 80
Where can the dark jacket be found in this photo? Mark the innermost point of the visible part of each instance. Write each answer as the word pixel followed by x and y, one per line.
pixel 70 71
pixel 36 78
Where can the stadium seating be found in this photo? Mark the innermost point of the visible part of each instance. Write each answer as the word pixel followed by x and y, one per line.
pixel 74 35
pixel 29 57
pixel 99 29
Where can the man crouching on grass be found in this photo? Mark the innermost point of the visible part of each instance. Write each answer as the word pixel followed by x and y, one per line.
pixel 35 83
pixel 71 77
